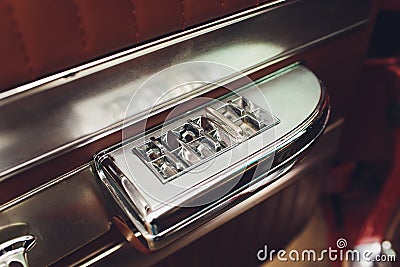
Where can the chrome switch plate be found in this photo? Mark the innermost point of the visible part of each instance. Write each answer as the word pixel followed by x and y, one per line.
pixel 199 164
pixel 214 129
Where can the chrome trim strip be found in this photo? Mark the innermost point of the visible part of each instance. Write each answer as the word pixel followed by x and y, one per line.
pixel 102 255
pixel 68 206
pixel 129 54
pixel 92 92
pixel 43 187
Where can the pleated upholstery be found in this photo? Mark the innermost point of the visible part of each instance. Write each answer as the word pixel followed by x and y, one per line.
pixel 42 37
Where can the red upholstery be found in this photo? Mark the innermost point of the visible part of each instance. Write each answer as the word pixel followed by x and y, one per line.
pixel 45 36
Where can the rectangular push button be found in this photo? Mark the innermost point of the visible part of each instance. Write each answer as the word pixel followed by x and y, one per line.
pixel 218 128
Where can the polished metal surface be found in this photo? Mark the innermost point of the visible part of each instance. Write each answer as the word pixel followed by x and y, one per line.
pixel 15 251
pixel 206 132
pixel 163 210
pixel 77 109
pixel 125 255
pixel 62 215
pixel 128 54
pixel 54 118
